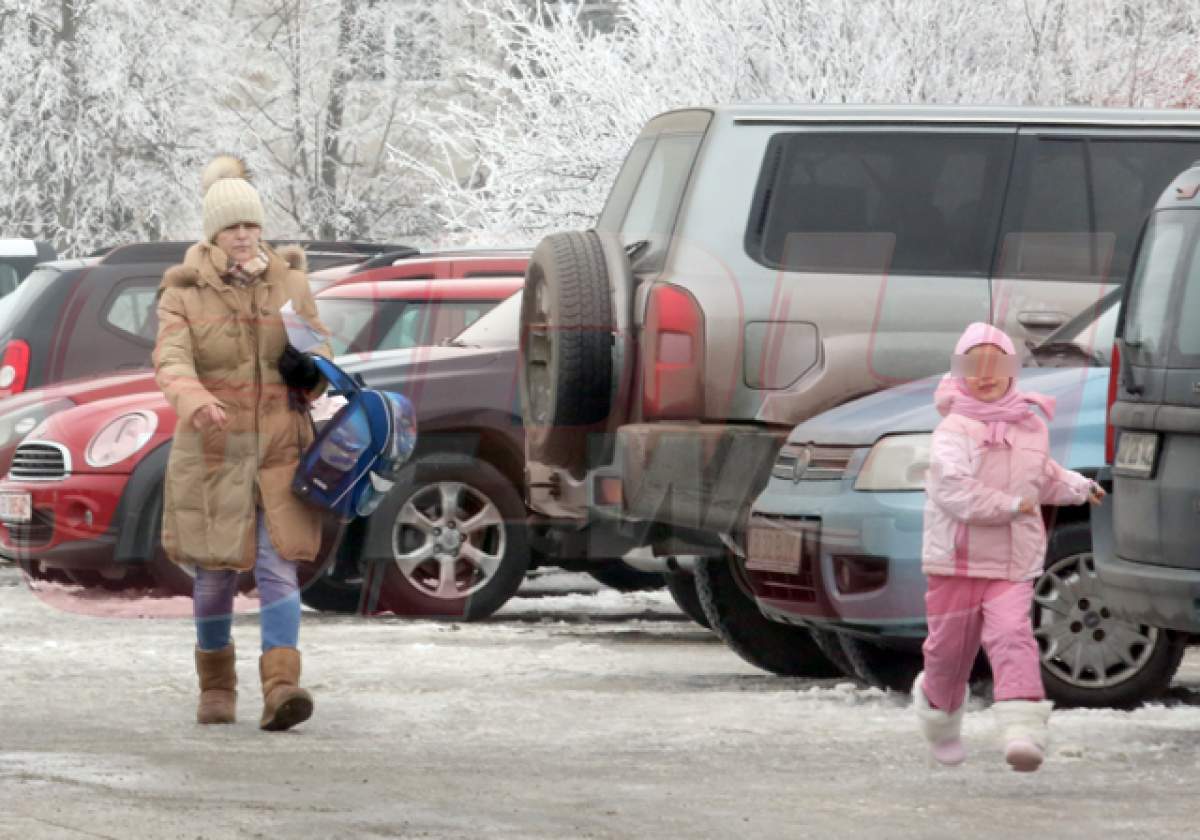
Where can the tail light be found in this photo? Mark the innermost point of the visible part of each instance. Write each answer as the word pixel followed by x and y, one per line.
pixel 673 356
pixel 14 368
pixel 1114 377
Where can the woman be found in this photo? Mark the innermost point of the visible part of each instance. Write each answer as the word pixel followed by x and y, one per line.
pixel 239 392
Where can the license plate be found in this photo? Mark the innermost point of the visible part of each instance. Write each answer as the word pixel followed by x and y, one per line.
pixel 777 549
pixel 1136 452
pixel 16 507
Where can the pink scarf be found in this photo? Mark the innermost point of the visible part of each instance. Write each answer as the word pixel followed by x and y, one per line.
pixel 1015 407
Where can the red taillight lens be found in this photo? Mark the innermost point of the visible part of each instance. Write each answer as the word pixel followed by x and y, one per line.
pixel 673 356
pixel 1114 377
pixel 14 368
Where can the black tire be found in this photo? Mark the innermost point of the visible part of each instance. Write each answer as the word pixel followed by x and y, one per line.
pixel 882 666
pixel 682 586
pixel 337 584
pixel 733 615
pixel 831 645
pixel 1139 660
pixel 474 593
pixel 566 339
pixel 619 575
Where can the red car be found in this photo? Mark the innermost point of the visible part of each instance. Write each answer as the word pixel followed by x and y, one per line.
pixel 83 493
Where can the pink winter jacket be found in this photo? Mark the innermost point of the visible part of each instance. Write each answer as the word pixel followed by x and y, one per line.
pixel 972 527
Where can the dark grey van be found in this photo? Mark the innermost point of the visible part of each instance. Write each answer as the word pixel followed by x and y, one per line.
pixel 1147 541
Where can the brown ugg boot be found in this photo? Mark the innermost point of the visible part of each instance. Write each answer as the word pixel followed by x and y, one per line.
pixel 218 685
pixel 285 704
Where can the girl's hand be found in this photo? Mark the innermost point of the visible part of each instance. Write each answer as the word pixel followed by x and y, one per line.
pixel 210 415
pixel 1028 505
pixel 1096 494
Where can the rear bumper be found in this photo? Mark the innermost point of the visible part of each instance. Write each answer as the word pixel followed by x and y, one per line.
pixel 697 477
pixel 1160 596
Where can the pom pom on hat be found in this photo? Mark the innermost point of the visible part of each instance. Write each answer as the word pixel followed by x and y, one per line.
pixel 229 198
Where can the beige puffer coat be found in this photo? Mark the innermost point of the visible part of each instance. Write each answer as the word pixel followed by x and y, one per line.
pixel 220 343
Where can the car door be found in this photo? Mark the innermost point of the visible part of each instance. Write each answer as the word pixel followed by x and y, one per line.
pixel 1077 199
pixel 108 326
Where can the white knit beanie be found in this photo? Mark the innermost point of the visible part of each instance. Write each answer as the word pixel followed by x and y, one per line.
pixel 228 196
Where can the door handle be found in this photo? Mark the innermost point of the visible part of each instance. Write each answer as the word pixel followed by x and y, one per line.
pixel 1041 319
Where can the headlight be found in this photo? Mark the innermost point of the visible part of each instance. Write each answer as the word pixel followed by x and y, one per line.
pixel 120 438
pixel 896 462
pixel 18 424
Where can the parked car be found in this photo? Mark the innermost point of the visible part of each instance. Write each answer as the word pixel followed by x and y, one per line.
pixel 73 319
pixel 17 259
pixel 756 265
pixel 1148 538
pixel 83 493
pixel 833 544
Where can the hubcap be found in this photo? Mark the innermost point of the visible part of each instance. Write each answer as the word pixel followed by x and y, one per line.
pixel 448 540
pixel 1080 641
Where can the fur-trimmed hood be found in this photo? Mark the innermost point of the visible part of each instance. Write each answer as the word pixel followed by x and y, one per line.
pixel 199 262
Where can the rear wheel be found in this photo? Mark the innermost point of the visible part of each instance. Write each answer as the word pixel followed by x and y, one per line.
pixel 450 540
pixel 1089 657
pixel 682 586
pixel 732 613
pixel 566 339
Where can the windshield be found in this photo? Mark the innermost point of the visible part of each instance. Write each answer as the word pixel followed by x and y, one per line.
pixel 1148 309
pixel 14 306
pixel 498 328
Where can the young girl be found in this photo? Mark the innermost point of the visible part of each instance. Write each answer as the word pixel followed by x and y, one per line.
pixel 984 541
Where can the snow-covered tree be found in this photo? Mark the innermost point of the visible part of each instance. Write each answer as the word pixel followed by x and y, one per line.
pixel 548 113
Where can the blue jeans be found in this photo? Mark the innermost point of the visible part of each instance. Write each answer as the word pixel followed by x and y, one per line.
pixel 278 593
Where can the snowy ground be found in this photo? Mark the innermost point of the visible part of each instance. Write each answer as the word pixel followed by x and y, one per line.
pixel 582 715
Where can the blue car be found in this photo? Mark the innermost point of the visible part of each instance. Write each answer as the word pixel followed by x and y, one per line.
pixel 834 541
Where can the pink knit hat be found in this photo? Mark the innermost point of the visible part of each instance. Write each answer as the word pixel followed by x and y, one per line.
pixel 981 333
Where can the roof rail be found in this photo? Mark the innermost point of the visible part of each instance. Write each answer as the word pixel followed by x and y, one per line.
pixel 385 259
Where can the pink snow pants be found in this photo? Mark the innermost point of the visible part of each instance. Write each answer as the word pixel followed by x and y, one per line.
pixel 961 613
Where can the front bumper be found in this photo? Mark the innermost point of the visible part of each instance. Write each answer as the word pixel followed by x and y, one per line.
pixel 72 525
pixel 1160 596
pixel 847 529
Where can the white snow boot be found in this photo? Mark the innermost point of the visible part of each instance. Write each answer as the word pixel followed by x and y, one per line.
pixel 1026 732
pixel 942 729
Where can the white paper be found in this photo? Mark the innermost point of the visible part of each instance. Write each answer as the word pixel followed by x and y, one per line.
pixel 300 334
pixel 324 407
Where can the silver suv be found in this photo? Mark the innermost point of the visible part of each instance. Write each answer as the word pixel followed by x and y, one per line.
pixel 756 265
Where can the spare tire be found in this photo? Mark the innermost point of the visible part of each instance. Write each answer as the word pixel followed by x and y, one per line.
pixel 567 327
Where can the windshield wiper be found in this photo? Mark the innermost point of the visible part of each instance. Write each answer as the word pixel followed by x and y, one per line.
pixel 635 249
pixel 1131 385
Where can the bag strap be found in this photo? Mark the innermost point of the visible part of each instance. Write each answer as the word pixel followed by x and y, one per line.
pixel 340 382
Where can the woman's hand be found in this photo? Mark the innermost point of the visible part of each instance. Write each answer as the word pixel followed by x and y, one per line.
pixel 212 415
pixel 1096 494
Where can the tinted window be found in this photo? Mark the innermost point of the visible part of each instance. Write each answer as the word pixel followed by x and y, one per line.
pixel 8 279
pixel 1187 334
pixel 622 189
pixel 498 328
pixel 1150 296
pixel 132 310
pixel 14 307
pixel 352 322
pixel 424 324
pixel 912 203
pixel 1079 204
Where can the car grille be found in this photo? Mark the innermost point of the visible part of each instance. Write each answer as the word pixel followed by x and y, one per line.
pixel 38 531
pixel 812 463
pixel 39 462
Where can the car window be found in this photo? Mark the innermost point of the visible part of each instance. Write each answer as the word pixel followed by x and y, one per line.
pixel 655 203
pixel 1080 202
pixel 132 310
pixel 8 279
pixel 14 307
pixel 1150 295
pixel 622 189
pixel 349 319
pixel 1187 332
pixel 498 328
pixel 1091 332
pixel 426 323
pixel 875 202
